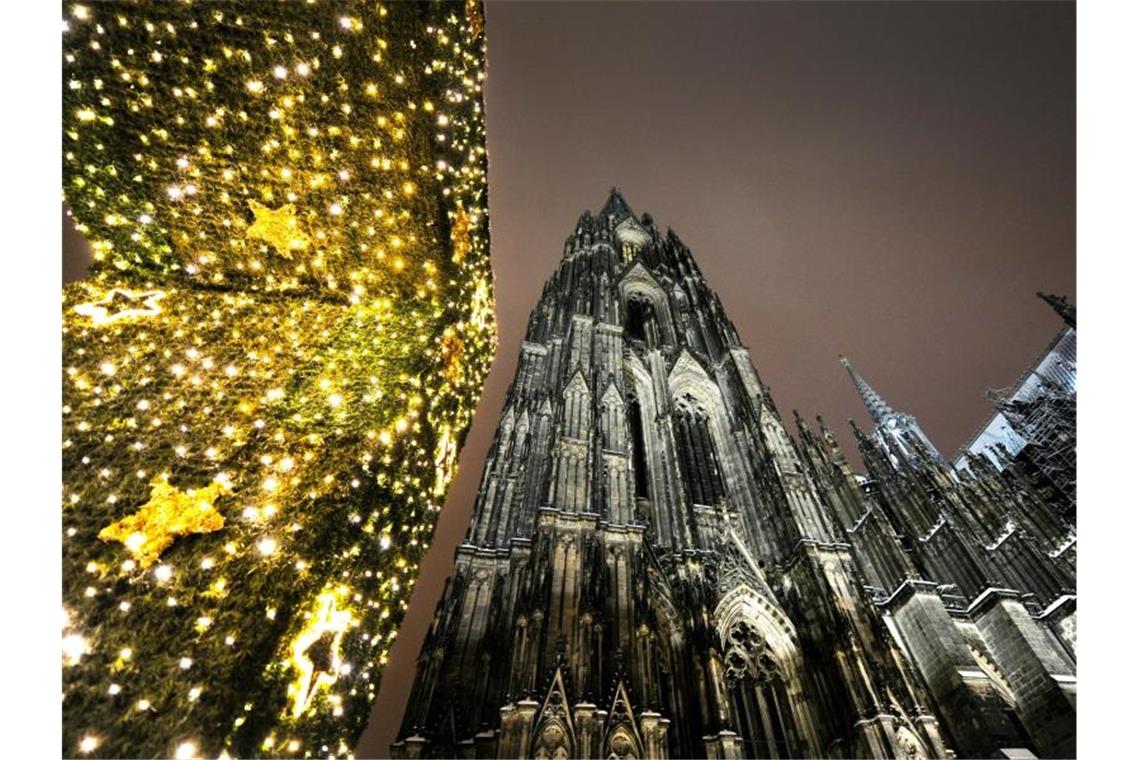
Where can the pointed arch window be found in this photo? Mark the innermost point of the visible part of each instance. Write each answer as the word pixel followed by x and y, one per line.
pixel 697 455
pixel 759 698
pixel 641 320
pixel 640 463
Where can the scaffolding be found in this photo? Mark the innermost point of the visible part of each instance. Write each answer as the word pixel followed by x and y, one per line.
pixel 1046 421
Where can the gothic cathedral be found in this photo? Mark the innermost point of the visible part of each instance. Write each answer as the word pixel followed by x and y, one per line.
pixel 656 568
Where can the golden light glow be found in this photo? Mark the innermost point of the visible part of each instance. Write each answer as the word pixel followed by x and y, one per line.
pixel 329 621
pixel 74 647
pixel 121 304
pixel 169 513
pixel 278 227
pixel 290 313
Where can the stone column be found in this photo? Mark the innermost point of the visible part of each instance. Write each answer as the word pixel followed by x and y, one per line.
pixel 514 736
pixel 724 746
pixel 589 743
pixel 1039 672
pixel 974 712
pixel 412 748
pixel 654 732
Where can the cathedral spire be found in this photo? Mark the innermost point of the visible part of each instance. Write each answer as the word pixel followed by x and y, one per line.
pixel 616 206
pixel 877 407
pixel 896 431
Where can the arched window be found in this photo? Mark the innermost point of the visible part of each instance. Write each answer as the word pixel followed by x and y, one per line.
pixel 697 455
pixel 640 464
pixel 641 320
pixel 759 698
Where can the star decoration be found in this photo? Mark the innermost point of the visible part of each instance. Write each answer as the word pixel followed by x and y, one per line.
pixel 169 513
pixel 446 452
pixel 278 227
pixel 122 304
pixel 316 651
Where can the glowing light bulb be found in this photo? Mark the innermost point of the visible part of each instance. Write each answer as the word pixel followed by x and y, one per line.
pixel 74 647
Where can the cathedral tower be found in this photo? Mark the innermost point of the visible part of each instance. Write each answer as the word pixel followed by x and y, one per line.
pixel 656 568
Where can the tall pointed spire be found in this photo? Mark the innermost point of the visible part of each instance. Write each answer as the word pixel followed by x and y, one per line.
pixel 616 206
pixel 877 407
pixel 896 431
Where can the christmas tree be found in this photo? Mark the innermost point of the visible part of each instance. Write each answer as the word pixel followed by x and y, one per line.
pixel 269 373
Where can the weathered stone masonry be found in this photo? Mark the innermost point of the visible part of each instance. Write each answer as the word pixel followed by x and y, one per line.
pixel 656 568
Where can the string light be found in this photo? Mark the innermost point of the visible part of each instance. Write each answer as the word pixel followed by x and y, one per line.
pixel 286 331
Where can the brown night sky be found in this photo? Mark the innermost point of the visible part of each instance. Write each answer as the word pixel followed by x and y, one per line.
pixel 892 181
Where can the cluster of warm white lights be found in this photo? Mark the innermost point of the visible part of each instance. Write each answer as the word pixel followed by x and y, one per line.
pixel 266 381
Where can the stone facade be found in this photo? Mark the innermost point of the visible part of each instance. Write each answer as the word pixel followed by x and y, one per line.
pixel 656 568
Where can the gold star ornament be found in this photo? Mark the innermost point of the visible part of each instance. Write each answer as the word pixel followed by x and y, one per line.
pixel 278 227
pixel 169 513
pixel 122 304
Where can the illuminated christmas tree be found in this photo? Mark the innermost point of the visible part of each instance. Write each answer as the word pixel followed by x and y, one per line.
pixel 270 372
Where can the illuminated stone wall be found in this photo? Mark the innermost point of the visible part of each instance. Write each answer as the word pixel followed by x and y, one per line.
pixel 656 567
pixel 267 378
